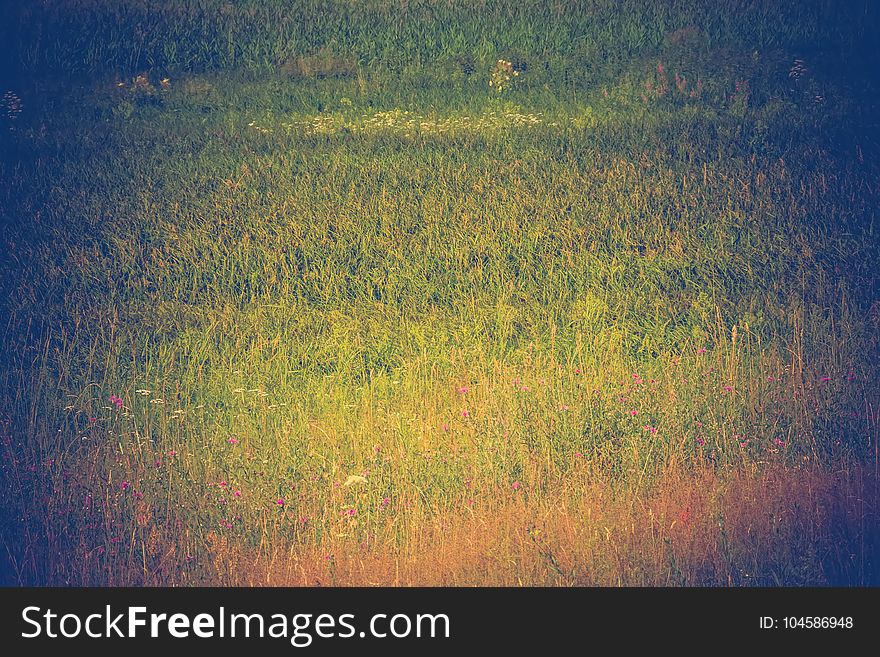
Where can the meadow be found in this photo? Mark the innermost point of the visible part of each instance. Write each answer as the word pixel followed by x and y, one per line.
pixel 439 293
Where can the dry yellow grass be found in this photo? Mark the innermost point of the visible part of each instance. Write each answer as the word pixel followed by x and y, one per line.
pixel 768 525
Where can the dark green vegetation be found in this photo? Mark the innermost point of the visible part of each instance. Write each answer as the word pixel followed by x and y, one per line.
pixel 316 230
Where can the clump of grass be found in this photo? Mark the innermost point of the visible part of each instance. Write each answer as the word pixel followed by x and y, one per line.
pixel 322 64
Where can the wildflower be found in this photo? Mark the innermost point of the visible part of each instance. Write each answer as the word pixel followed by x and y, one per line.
pixel 851 376
pixel 223 484
pixel 463 390
pixel 445 427
pixel 225 523
pixel 92 420
pixel 700 441
pixel 117 401
pixel 125 485
pixel 516 485
pixel 577 371
pixel 633 412
pixel 279 501
pixel 137 495
pixel 464 413
pixel 232 441
pixel 385 502
pixel 564 408
pixel 578 455
pixel 699 425
pixel 158 463
pixel 701 350
pixel 236 493
pixel 680 83
pixel 825 378
pixel 172 453
pixel 303 521
pixel 728 389
pixel 650 429
pixel 779 442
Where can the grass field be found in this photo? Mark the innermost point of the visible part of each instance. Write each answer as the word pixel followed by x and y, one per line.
pixel 444 293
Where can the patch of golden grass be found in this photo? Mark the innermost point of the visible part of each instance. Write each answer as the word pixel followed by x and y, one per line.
pixel 765 526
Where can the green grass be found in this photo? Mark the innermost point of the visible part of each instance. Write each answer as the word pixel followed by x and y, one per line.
pixel 331 248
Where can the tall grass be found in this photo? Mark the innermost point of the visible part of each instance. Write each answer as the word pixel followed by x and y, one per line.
pixel 365 319
pixel 91 36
